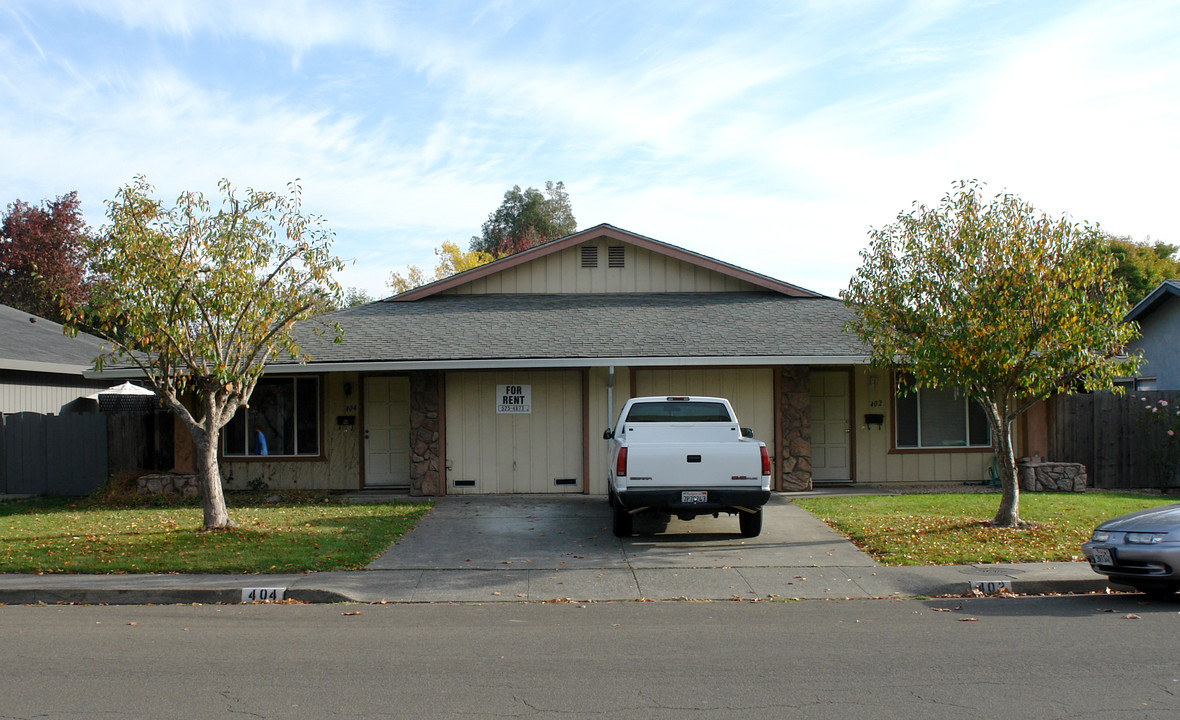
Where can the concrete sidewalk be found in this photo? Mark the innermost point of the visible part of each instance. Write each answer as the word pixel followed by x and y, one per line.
pixel 535 548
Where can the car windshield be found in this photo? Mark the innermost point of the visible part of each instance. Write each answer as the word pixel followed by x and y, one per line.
pixel 676 411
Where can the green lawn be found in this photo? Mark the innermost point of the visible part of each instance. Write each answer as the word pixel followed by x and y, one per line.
pixel 56 535
pixel 949 528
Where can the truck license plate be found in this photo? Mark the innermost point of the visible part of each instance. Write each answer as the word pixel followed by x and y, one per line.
pixel 690 496
pixel 1102 557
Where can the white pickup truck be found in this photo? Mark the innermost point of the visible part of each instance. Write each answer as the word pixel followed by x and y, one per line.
pixel 685 456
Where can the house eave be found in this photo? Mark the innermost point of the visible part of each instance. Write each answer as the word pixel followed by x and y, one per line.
pixel 536 363
pixel 45 367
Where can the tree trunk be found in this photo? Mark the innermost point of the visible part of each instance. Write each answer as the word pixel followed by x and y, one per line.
pixel 209 477
pixel 1009 513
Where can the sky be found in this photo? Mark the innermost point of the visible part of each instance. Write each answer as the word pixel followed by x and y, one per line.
pixel 770 135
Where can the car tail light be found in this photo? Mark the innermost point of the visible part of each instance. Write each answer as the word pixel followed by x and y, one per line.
pixel 621 463
pixel 765 461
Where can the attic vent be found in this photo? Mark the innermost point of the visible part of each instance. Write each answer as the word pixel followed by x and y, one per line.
pixel 589 256
pixel 614 256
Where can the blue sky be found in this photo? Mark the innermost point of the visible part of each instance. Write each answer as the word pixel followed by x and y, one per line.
pixel 772 135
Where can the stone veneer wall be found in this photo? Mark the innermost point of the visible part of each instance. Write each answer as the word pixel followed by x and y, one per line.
pixel 795 384
pixel 425 447
pixel 1051 476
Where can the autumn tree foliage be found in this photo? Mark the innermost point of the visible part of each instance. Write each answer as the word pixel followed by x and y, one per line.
pixel 451 260
pixel 1142 266
pixel 43 256
pixel 200 299
pixel 525 219
pixel 996 299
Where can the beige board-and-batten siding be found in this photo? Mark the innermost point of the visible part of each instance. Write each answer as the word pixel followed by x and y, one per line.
pixel 749 390
pixel 643 271
pixel 877 464
pixel 337 468
pixel 496 452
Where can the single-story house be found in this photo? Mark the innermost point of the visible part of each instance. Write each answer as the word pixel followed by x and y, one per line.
pixel 1158 316
pixel 41 369
pixel 503 378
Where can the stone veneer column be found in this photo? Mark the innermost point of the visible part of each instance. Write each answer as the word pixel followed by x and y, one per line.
pixel 425 448
pixel 796 426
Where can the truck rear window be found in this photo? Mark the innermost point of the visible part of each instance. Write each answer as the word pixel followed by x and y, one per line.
pixel 678 412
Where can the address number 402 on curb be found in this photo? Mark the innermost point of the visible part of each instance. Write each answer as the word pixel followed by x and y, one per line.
pixel 261 594
pixel 990 587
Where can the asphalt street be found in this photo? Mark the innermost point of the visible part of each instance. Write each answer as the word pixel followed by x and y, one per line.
pixel 1049 657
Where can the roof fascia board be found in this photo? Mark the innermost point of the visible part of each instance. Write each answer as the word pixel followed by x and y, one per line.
pixel 613 233
pixel 42 367
pixel 510 363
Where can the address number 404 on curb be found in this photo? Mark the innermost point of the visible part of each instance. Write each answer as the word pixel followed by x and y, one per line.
pixel 262 594
pixel 990 586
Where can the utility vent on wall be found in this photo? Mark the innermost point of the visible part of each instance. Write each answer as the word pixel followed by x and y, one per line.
pixel 614 256
pixel 565 481
pixel 589 256
pixel 464 483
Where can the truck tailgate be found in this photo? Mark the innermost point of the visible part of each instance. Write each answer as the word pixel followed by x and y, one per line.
pixel 698 464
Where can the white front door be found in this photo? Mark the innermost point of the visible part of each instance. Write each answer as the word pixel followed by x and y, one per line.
pixel 830 426
pixel 387 431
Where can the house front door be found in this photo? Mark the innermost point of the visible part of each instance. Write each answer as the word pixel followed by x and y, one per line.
pixel 831 429
pixel 387 431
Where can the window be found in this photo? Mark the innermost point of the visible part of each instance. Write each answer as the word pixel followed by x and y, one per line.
pixel 678 412
pixel 286 410
pixel 937 419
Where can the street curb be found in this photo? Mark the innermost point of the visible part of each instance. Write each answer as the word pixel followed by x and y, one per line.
pixel 324 596
pixel 104 596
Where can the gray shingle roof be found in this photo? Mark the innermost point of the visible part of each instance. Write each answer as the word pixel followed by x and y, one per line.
pixel 40 345
pixel 488 327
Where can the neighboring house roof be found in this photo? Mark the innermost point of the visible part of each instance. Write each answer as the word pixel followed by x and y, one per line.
pixel 34 344
pixel 1162 293
pixel 453 331
pixel 613 233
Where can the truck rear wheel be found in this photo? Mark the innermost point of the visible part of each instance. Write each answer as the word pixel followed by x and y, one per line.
pixel 750 523
pixel 622 521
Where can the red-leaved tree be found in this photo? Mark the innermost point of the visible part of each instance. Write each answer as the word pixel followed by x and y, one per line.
pixel 43 257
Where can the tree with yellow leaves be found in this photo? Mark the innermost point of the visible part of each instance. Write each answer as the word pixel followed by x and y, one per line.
pixel 451 261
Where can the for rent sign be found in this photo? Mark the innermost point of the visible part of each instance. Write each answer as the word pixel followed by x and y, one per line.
pixel 514 399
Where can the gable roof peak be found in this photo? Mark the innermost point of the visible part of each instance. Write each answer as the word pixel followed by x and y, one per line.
pixel 613 233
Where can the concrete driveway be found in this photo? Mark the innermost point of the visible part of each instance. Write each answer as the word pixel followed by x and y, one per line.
pixel 568 532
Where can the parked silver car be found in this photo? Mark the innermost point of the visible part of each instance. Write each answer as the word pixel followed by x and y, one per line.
pixel 1140 549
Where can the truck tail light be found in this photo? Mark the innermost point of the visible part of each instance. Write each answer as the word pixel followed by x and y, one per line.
pixel 765 461
pixel 621 463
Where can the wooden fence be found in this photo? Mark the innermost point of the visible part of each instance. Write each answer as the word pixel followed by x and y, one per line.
pixel 1122 443
pixel 139 440
pixel 52 454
